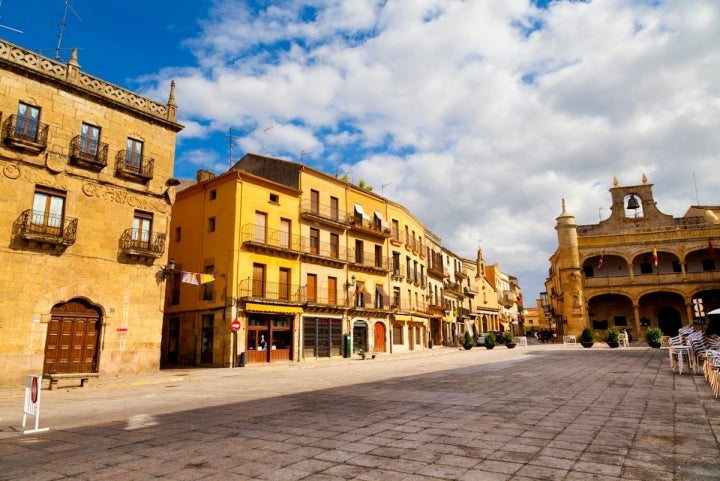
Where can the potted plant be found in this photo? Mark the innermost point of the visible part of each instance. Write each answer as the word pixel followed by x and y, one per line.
pixel 468 341
pixel 613 336
pixel 587 338
pixel 653 336
pixel 509 339
pixel 490 340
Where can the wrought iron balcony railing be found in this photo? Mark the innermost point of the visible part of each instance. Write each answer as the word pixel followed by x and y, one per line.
pixel 367 259
pixel 135 168
pixel 316 210
pixel 260 236
pixel 25 133
pixel 313 247
pixel 271 291
pixel 41 227
pixel 144 244
pixel 87 153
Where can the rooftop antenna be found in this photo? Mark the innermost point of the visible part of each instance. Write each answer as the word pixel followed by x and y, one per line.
pixel 62 27
pixel 9 28
pixel 230 138
pixel 303 154
pixel 382 188
pixel 697 197
pixel 265 131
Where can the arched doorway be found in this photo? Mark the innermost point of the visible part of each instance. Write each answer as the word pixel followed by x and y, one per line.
pixel 71 344
pixel 379 337
pixel 360 336
pixel 669 321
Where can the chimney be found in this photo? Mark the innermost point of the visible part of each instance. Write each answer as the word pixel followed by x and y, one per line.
pixel 204 175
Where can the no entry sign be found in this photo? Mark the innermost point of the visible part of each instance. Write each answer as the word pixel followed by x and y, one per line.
pixel 235 325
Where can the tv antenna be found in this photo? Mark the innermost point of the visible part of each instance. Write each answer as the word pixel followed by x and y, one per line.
pixel 382 188
pixel 265 131
pixel 9 28
pixel 62 27
pixel 303 154
pixel 230 139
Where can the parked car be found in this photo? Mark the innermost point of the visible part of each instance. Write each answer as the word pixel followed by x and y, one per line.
pixel 481 338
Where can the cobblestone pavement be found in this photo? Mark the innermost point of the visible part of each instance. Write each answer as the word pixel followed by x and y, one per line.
pixel 523 414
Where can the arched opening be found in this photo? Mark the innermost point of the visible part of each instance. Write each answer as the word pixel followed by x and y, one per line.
pixel 72 340
pixel 360 336
pixel 669 320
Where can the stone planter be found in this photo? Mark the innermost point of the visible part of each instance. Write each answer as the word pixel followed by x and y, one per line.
pixel 489 346
pixel 510 345
pixel 613 344
pixel 654 344
pixel 587 344
pixel 467 346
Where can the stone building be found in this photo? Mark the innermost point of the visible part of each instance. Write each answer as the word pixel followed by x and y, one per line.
pixel 86 180
pixel 636 269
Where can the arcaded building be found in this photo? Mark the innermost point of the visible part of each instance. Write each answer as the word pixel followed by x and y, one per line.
pixel 636 269
pixel 86 180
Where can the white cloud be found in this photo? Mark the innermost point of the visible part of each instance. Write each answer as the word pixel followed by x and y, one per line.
pixel 480 116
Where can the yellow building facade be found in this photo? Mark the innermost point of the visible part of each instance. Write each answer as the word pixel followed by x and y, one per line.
pixel 638 268
pixel 86 174
pixel 276 261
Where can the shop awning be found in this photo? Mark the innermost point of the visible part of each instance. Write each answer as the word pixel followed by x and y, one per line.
pixel 401 317
pixel 253 307
pixel 505 326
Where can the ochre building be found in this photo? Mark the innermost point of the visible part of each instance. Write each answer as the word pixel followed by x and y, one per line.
pixel 636 269
pixel 85 176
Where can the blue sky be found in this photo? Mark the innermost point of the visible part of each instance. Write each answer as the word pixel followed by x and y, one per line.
pixel 478 116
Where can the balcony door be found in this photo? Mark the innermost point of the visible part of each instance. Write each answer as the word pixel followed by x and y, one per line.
pixel 48 207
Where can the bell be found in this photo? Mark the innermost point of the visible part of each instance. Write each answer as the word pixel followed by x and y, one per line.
pixel 633 203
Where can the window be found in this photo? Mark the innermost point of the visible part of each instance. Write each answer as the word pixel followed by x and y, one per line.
pixel 274 198
pixel 620 321
pixel 334 245
pixel 708 265
pixel 334 208
pixel 178 234
pixel 48 210
pixel 379 297
pixel 260 227
pixel 396 297
pixel 395 230
pixel 284 285
pixel 646 268
pixel 89 139
pixel 211 224
pixel 408 268
pixel 134 155
pixel 258 281
pixel 396 264
pixel 28 120
pixel 141 228
pixel 312 287
pixel 314 240
pixel 588 271
pixel 359 294
pixel 285 233
pixel 175 293
pixel 208 288
pixel 377 222
pixel 315 202
pixel 212 194
pixel 359 251
pixel 332 290
pixel 378 256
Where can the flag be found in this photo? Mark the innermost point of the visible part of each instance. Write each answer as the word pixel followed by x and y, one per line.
pixel 601 262
pixel 190 278
pixel 205 278
pixel 655 258
pixel 711 251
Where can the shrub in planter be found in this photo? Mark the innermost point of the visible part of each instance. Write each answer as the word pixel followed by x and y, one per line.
pixel 613 336
pixel 509 339
pixel 653 336
pixel 468 341
pixel 490 340
pixel 587 338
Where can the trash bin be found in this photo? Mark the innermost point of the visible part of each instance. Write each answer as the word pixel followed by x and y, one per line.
pixel 347 350
pixel 241 360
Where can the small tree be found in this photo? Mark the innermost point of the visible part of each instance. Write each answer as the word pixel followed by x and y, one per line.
pixel 490 339
pixel 508 337
pixel 587 335
pixel 468 339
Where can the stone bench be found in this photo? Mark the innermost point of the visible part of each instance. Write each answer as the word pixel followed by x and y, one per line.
pixel 83 376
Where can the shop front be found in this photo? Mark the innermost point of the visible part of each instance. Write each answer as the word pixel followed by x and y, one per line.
pixel 270 332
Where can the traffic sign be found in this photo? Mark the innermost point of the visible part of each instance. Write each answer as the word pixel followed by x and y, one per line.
pixel 235 325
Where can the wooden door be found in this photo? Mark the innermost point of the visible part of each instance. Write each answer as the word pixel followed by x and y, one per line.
pixel 379 337
pixel 71 343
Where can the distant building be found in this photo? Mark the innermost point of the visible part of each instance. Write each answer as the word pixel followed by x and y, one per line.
pixel 636 269
pixel 86 180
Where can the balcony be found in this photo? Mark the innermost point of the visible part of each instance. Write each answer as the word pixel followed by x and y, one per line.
pixel 142 245
pixel 326 301
pixel 323 213
pixel 138 170
pixel 323 253
pixel 25 134
pixel 88 154
pixel 655 279
pixel 453 287
pixel 367 261
pixel 46 230
pixel 360 224
pixel 249 289
pixel 408 306
pixel 259 238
